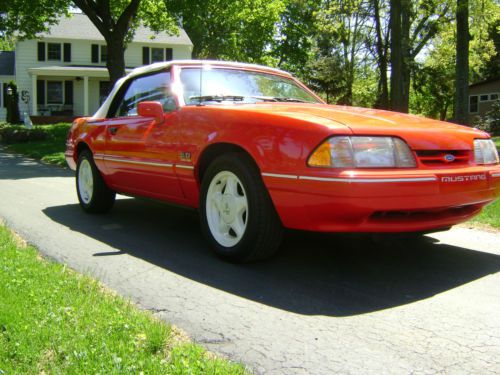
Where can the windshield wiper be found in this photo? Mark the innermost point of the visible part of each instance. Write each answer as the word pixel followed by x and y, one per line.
pixel 278 99
pixel 240 98
pixel 217 98
pixel 284 99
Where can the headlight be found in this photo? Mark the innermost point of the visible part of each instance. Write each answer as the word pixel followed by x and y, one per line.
pixel 363 152
pixel 485 151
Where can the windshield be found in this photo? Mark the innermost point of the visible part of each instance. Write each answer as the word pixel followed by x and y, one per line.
pixel 239 86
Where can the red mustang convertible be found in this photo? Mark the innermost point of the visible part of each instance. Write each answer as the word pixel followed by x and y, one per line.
pixel 256 151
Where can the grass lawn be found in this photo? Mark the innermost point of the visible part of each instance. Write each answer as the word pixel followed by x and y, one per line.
pixel 56 321
pixel 49 150
pixel 490 215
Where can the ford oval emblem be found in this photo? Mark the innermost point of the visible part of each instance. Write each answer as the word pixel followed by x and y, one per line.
pixel 449 158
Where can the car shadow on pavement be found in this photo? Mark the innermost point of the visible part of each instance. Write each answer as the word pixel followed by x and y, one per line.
pixel 313 274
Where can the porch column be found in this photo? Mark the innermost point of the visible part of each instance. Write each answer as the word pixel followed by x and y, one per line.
pixel 85 95
pixel 34 98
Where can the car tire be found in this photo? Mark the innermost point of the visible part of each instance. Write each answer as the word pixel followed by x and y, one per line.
pixel 93 193
pixel 237 215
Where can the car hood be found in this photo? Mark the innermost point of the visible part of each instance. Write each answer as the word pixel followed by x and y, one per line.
pixel 419 132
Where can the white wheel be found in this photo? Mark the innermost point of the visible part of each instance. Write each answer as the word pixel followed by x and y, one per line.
pixel 93 193
pixel 227 209
pixel 85 181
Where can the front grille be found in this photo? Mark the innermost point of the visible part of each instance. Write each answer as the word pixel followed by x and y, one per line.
pixel 444 157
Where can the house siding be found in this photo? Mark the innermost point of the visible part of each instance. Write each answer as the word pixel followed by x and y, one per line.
pixel 486 88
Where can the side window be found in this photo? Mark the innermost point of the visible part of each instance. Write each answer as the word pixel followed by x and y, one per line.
pixel 154 87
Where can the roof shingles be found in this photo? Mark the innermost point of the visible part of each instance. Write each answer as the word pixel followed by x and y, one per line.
pixel 79 26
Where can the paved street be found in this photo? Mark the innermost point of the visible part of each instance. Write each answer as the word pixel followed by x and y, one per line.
pixel 326 304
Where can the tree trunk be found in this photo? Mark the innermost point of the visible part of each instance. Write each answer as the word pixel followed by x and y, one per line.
pixel 116 59
pixel 405 53
pixel 462 68
pixel 113 30
pixel 396 56
pixel 383 89
pixel 444 111
pixel 400 54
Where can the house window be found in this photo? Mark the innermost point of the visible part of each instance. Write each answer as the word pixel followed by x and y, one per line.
pixel 104 54
pixel 152 55
pixel 493 96
pixel 473 104
pixel 157 55
pixel 484 98
pixel 54 51
pixel 54 92
pixel 99 53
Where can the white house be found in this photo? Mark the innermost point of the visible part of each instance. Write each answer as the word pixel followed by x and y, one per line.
pixel 63 72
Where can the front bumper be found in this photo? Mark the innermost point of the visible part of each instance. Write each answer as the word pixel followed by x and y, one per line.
pixel 382 201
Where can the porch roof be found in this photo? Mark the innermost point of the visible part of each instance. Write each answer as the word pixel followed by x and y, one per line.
pixel 72 71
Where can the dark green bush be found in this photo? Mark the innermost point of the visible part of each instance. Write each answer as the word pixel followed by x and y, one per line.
pixel 17 134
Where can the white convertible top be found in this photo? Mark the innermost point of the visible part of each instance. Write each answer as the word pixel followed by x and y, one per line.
pixel 103 110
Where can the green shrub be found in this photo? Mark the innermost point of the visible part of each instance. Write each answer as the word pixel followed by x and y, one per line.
pixel 490 122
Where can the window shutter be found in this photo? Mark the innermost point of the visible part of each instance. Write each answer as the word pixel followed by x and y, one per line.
pixel 169 54
pixel 145 55
pixel 4 94
pixel 41 51
pixel 95 53
pixel 40 92
pixel 68 92
pixel 67 52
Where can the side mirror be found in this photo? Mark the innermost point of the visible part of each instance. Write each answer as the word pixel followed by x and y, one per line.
pixel 151 109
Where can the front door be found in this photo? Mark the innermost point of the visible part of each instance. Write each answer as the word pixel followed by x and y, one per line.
pixel 140 154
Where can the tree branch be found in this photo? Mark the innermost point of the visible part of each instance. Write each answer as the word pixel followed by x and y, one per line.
pixel 433 29
pixel 122 25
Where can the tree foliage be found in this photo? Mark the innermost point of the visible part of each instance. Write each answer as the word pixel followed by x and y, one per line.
pixel 340 42
pixel 26 18
pixel 228 29
pixel 292 45
pixel 434 79
pixel 7 42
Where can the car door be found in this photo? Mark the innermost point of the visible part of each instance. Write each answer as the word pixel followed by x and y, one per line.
pixel 140 154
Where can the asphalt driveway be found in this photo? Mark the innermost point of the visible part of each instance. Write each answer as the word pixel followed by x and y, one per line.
pixel 324 304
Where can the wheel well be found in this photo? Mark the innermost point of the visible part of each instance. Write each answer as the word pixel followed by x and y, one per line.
pixel 79 148
pixel 216 150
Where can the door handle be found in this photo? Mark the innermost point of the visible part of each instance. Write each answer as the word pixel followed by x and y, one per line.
pixel 113 129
